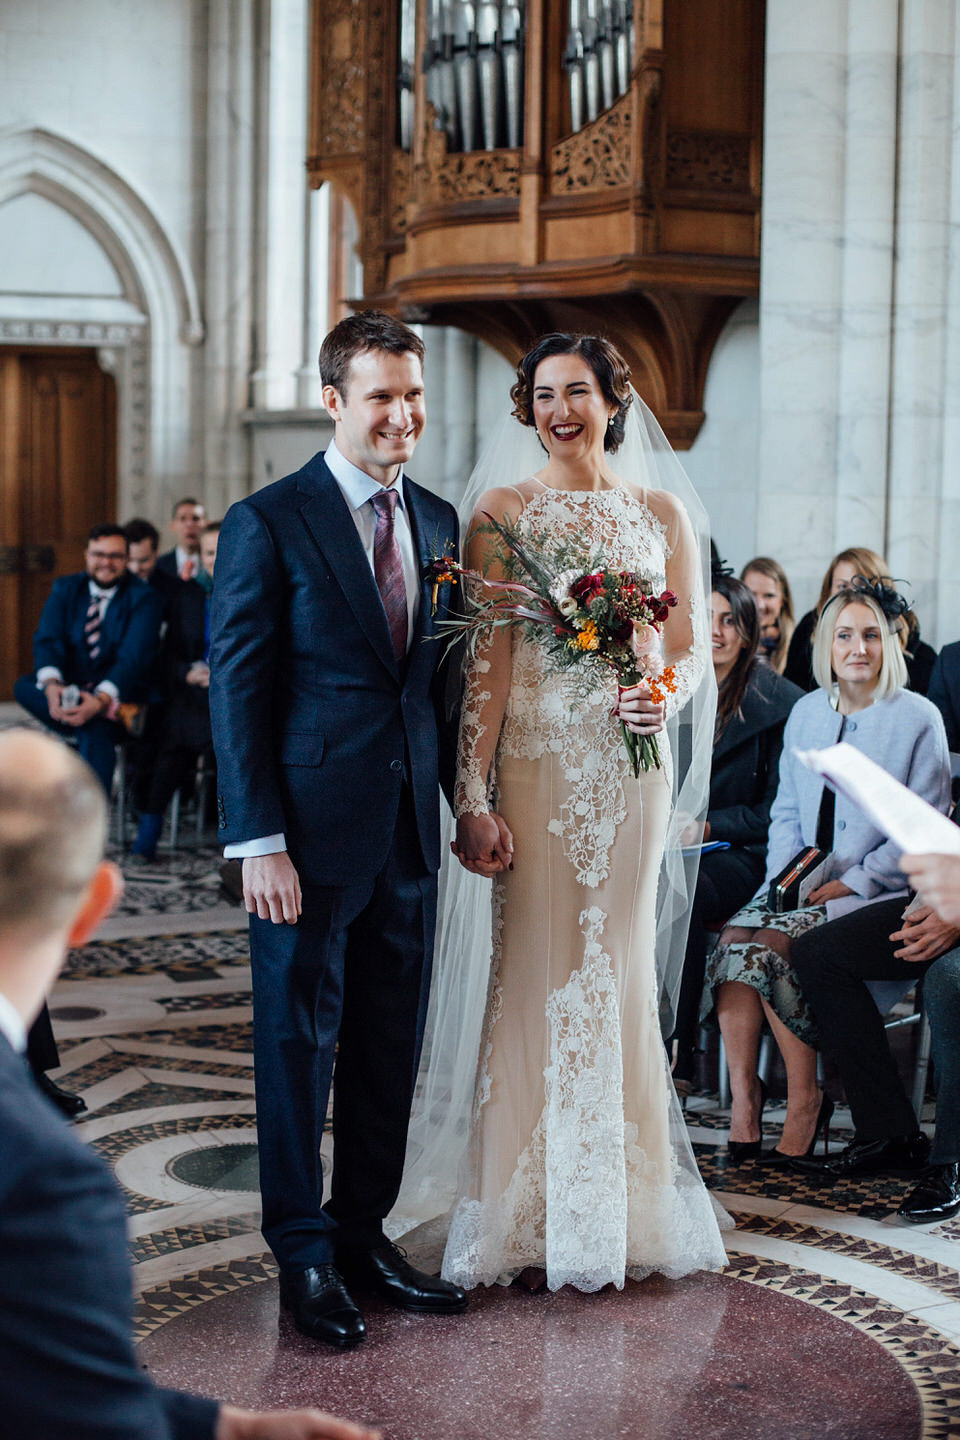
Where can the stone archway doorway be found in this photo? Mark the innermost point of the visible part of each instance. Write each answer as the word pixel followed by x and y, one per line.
pixel 58 462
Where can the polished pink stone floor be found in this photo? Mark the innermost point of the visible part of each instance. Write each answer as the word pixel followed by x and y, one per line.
pixel 706 1357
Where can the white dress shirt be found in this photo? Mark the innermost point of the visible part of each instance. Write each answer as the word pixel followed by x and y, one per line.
pixel 50 672
pixel 357 488
pixel 11 1025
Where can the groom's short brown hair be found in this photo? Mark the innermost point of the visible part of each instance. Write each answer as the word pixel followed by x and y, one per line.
pixel 370 330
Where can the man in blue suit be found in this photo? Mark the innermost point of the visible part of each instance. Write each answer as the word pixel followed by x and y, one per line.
pixel 99 632
pixel 331 733
pixel 68 1363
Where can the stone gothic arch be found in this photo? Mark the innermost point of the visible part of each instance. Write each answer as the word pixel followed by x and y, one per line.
pixel 147 346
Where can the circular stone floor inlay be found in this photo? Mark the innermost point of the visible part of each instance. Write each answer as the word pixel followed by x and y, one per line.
pixel 76 1012
pixel 710 1357
pixel 217 1167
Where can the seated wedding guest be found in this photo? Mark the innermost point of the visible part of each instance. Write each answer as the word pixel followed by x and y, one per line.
pixel 753 702
pixel 187 520
pixel 69 1367
pixel 944 691
pixel 185 719
pixel 143 542
pixel 93 649
pixel 768 584
pixel 843 568
pixel 861 699
pixel 937 1196
pixel 885 941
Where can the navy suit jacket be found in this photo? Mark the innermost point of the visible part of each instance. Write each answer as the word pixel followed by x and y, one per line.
pixel 167 563
pixel 314 722
pixel 944 691
pixel 186 717
pixel 68 1364
pixel 129 635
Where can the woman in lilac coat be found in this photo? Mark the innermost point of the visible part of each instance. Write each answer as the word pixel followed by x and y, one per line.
pixel 860 672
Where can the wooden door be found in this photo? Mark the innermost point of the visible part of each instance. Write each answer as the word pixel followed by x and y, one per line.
pixel 57 479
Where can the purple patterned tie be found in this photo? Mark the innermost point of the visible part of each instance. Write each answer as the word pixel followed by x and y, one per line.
pixel 388 569
pixel 91 628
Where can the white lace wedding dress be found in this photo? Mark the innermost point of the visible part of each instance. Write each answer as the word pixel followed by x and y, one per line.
pixel 578 1158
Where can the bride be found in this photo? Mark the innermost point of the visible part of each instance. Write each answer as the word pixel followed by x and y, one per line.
pixel 574 1156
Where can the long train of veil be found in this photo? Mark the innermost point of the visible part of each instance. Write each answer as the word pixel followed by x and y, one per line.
pixel 441 1117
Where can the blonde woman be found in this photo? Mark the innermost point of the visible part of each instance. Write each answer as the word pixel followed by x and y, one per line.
pixel 861 674
pixel 770 588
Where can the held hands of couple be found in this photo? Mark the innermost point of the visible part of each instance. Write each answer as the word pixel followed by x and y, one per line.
pixel 271 888
pixel 484 844
pixel 638 712
pixel 236 1424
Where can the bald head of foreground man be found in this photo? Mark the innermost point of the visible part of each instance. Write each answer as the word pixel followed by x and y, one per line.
pixel 65 1291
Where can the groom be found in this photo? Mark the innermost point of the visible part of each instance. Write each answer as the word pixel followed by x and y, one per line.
pixel 331 731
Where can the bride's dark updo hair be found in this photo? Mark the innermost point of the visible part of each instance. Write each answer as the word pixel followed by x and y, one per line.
pixel 607 364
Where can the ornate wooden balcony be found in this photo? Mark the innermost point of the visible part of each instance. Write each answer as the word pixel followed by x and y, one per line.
pixel 630 204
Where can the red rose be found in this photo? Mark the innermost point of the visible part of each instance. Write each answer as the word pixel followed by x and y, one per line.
pixel 587 586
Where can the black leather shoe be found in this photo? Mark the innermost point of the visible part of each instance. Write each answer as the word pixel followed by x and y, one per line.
pixel 68 1104
pixel 896 1155
pixel 387 1271
pixel 937 1197
pixel 318 1304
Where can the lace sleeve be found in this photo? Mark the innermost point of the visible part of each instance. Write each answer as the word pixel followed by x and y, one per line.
pixel 486 672
pixel 684 633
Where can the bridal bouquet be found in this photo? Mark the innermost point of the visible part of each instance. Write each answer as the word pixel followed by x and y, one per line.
pixel 583 612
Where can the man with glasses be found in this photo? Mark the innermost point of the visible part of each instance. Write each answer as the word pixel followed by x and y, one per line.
pixel 93 649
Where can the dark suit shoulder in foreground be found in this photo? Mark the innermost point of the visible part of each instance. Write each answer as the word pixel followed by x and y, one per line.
pixel 65 1295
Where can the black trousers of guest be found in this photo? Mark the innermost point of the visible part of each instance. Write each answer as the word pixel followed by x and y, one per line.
pixel 726 880
pixel 833 962
pixel 350 979
pixel 42 1049
pixel 172 767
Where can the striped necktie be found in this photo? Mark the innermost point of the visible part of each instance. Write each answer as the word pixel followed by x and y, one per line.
pixel 91 627
pixel 388 569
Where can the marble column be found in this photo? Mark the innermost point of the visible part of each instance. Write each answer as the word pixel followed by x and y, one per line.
pixel 859 329
pixel 229 237
pixel 283 210
pixel 924 535
pixel 829 142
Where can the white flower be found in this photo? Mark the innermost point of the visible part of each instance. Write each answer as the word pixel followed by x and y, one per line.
pixel 560 589
pixel 567 606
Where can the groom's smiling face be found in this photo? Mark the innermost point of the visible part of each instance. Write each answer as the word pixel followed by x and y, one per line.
pixel 381 413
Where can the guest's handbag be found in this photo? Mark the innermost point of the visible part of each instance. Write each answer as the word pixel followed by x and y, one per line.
pixel 789 889
pixel 799 876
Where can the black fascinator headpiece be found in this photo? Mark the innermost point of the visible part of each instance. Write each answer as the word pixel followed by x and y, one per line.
pixel 718 566
pixel 891 602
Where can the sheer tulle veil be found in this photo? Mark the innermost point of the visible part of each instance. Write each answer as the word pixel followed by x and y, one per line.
pixel 440 1123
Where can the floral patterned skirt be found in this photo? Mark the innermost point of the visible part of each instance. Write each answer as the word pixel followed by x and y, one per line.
pixel 773 977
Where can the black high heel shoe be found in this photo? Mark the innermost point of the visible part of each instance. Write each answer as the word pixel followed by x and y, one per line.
pixel 740 1150
pixel 778 1160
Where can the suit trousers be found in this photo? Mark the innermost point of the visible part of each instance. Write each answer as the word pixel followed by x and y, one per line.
pixel 95 741
pixel 941 999
pixel 351 979
pixel 42 1049
pixel 833 962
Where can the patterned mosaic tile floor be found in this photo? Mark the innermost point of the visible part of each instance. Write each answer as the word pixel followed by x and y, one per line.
pixel 832 1318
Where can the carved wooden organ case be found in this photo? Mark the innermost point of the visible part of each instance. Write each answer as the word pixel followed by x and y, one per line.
pixel 530 165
